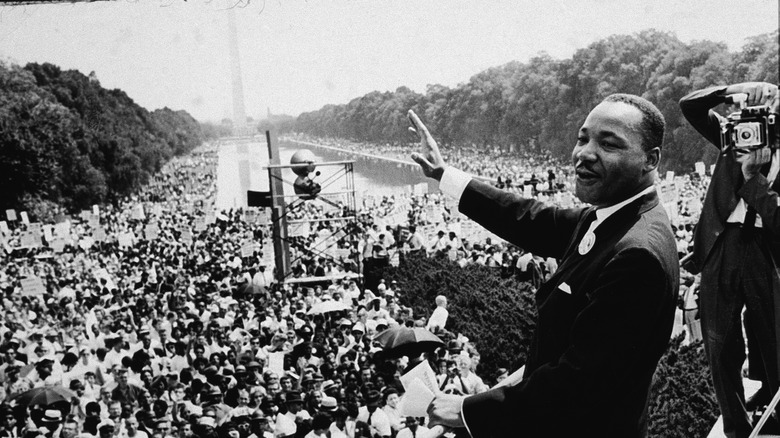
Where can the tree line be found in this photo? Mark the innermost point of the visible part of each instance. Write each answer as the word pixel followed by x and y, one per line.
pixel 67 143
pixel 539 105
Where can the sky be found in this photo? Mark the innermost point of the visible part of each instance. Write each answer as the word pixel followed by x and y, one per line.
pixel 299 55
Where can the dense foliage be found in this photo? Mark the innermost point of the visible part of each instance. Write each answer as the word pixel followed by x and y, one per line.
pixel 497 313
pixel 683 400
pixel 65 140
pixel 539 105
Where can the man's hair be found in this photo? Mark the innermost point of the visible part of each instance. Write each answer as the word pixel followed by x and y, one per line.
pixel 653 123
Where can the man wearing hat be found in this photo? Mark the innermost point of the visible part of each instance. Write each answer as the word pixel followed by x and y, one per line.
pixel 373 416
pixel 51 421
pixel 296 413
pixel 106 428
pixel 43 370
pixel 213 401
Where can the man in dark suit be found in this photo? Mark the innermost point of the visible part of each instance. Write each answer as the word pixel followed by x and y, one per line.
pixel 606 315
pixel 733 250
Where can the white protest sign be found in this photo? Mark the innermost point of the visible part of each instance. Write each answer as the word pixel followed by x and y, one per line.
pixel 669 175
pixel 299 230
pixel 126 239
pixel 47 233
pixel 262 217
pixel 99 234
pixel 58 245
pixel 185 235
pixel 10 214
pixel 30 239
pixel 276 362
pixel 62 229
pixel 151 231
pixel 421 386
pixel 25 219
pixel 32 286
pixel 138 212
pixel 96 210
pixel 395 259
pixel 200 224
pixel 4 227
pixel 248 249
pixel 699 166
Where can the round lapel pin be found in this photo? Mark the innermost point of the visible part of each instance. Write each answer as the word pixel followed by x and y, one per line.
pixel 587 242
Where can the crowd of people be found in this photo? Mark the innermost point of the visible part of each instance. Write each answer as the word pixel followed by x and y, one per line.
pixel 164 318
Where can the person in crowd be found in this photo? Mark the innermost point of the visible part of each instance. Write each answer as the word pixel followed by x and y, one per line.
pixel 619 264
pixel 733 250
pixel 438 319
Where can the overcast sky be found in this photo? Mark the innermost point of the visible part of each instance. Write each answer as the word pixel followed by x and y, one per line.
pixel 298 55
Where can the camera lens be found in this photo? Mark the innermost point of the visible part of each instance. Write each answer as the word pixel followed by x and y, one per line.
pixel 746 135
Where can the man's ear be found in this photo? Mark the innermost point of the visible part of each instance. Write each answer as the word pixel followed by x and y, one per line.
pixel 652 158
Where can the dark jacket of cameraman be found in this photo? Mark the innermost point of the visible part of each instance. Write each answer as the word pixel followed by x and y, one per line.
pixel 738 265
pixel 727 184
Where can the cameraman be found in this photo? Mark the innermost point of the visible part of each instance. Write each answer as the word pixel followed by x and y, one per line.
pixel 734 252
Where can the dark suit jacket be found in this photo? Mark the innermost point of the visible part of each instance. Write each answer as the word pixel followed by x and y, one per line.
pixel 727 184
pixel 596 348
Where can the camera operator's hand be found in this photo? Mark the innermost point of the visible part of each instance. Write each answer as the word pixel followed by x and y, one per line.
pixel 753 161
pixel 429 157
pixel 759 93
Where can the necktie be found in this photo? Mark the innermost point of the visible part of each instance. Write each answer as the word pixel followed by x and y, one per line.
pixel 750 214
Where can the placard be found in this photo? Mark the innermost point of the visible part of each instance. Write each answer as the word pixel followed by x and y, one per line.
pixel 4 227
pixel 126 239
pixel 96 210
pixel 30 239
pixel 699 166
pixel 395 258
pixel 151 231
pixel 138 212
pixel 32 286
pixel 10 214
pixel 185 235
pixel 62 229
pixel 25 219
pixel 248 249
pixel 99 234
pixel 47 233
pixel 57 245
pixel 299 230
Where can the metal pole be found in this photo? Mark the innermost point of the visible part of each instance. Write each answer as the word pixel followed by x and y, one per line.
pixel 278 206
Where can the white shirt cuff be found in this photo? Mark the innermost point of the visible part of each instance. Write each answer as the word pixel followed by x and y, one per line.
pixel 453 182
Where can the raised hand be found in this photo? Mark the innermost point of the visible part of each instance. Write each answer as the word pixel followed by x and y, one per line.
pixel 429 158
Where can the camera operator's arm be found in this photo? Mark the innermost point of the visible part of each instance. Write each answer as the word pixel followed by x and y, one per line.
pixel 696 106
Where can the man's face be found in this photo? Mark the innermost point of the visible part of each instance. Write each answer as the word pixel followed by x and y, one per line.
pixel 69 430
pixel 609 161
pixel 132 423
pixel 115 410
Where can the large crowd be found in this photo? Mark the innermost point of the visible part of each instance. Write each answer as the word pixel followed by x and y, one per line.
pixel 161 316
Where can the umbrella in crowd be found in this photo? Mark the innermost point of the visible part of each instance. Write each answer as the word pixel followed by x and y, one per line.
pixel 327 307
pixel 407 341
pixel 45 395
